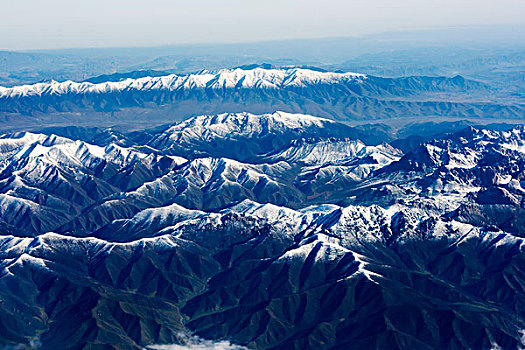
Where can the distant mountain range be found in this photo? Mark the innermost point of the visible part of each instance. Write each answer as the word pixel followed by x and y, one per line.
pixel 334 95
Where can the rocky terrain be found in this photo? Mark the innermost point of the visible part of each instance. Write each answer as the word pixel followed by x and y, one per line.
pixel 273 231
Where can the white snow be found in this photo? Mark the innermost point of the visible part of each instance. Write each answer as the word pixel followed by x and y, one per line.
pixel 227 78
pixel 206 127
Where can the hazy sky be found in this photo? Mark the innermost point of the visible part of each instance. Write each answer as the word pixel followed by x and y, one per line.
pixel 26 24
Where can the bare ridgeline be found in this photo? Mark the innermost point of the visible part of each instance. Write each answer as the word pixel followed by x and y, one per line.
pixel 263 207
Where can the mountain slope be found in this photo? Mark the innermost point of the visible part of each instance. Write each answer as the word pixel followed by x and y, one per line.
pixel 332 279
pixel 305 237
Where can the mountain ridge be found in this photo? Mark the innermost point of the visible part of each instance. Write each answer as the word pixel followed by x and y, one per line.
pixel 304 239
pixel 336 96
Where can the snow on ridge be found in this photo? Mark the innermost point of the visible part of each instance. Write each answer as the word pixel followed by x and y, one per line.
pixel 335 151
pixel 63 151
pixel 226 78
pixel 227 124
pixel 163 213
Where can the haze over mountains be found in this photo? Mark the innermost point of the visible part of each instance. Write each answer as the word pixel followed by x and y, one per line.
pixel 266 200
pixel 492 54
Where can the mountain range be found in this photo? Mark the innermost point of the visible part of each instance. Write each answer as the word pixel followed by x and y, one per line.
pixel 274 230
pixel 137 102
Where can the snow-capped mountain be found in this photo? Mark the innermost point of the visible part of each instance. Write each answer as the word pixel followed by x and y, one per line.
pixel 269 231
pixel 334 95
pixel 334 151
pixel 179 164
pixel 223 79
pixel 244 136
pixel 475 175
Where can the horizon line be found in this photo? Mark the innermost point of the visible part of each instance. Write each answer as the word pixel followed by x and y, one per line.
pixel 266 41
